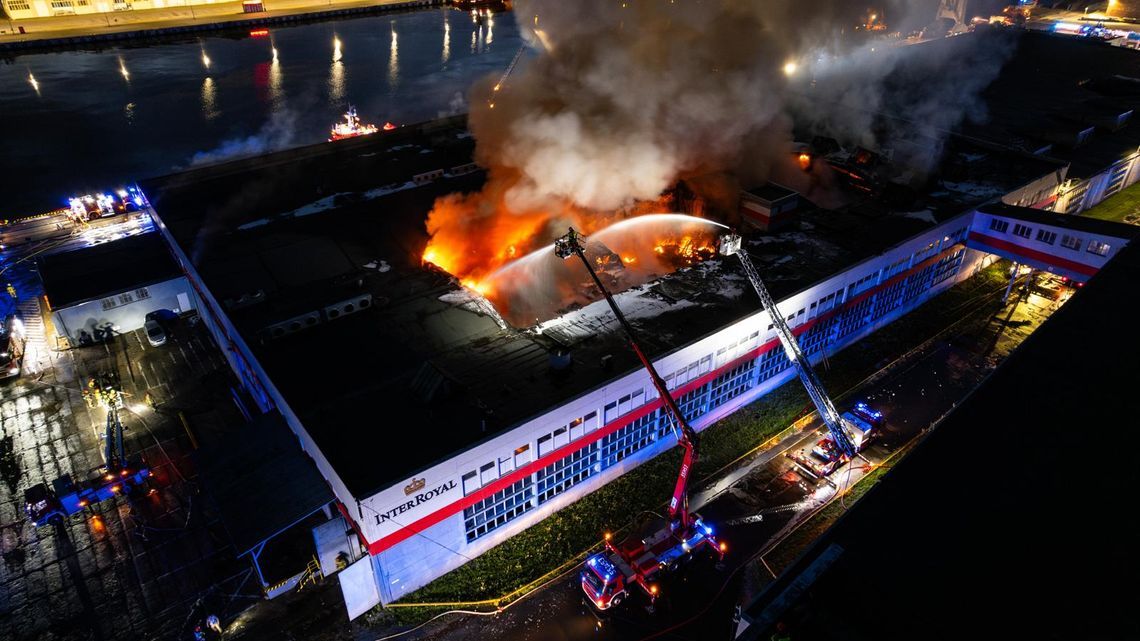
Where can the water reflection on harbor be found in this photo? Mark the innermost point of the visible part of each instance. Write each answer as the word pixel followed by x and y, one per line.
pixel 209 99
pixel 446 40
pixel 143 111
pixel 276 77
pixel 336 82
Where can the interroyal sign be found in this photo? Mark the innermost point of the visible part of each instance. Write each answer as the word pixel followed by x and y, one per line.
pixel 422 497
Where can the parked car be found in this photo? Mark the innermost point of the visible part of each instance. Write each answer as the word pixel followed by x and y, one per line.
pixel 155 332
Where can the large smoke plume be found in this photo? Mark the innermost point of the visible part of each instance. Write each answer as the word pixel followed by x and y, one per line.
pixel 622 100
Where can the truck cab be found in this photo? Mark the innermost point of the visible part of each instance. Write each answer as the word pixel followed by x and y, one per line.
pixel 41 506
pixel 862 425
pixel 603 584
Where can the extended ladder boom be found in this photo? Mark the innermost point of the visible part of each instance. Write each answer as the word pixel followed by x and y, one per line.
pixel 572 244
pixel 731 244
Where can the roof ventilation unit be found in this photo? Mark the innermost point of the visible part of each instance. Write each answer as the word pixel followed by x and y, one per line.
pixel 292 325
pixel 245 300
pixel 347 306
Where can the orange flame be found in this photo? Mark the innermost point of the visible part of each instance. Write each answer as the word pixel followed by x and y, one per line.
pixel 472 236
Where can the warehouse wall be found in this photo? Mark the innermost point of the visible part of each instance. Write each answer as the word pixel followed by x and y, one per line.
pixel 415 540
pixel 124 311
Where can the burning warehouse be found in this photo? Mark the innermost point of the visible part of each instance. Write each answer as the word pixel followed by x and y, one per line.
pixel 457 386
pixel 426 416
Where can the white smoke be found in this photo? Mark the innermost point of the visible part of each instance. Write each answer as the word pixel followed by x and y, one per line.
pixel 625 98
pixel 276 134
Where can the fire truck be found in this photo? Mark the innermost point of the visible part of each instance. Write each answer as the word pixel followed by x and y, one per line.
pixel 824 457
pixel 94 206
pixel 642 560
pixel 120 476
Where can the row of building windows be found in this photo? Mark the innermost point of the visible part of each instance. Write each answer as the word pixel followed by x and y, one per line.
pixel 126 298
pixel 737 349
pixel 496 510
pixel 1048 237
pixel 563 474
pixel 567 472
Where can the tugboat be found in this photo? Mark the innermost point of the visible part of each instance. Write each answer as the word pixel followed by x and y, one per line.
pixel 351 127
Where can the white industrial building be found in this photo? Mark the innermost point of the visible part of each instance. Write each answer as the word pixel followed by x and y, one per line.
pixel 112 287
pixel 441 435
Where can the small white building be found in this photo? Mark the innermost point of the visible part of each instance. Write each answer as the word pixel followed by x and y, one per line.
pixel 112 286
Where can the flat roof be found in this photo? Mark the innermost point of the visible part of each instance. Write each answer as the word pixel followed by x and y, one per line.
pixel 770 192
pixel 1066 221
pixel 92 273
pixel 1012 519
pixel 426 377
pixel 261 481
pixel 1055 85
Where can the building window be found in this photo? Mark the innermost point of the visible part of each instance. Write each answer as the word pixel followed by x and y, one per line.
pixel 506 465
pixel 611 411
pixel 1022 230
pixel 1071 242
pixel 522 455
pixel 545 445
pixel 1098 248
pixel 629 439
pixel 498 509
pixel 567 472
pixel 487 473
pixel 561 437
pixel 998 225
pixel 470 483
pixel 142 293
pixel 1046 237
pixel 19 5
pixel 61 4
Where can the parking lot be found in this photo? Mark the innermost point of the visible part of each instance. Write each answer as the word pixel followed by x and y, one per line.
pixel 127 568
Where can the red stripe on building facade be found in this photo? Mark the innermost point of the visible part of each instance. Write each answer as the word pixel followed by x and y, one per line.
pixel 434 518
pixel 1033 254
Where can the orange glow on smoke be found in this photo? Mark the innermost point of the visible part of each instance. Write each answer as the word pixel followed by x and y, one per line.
pixel 473 236
pixel 805 161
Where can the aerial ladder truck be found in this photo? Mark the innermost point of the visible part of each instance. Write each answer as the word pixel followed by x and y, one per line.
pixel 118 477
pixel 645 558
pixel 848 433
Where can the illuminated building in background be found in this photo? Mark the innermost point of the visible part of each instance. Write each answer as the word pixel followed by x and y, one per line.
pixel 1123 8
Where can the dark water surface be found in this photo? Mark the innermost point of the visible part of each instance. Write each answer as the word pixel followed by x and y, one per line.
pixel 88 126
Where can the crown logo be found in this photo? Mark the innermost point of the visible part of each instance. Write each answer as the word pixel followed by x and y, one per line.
pixel 415 486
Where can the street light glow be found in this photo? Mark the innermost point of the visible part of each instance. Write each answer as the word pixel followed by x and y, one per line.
pixel 790 68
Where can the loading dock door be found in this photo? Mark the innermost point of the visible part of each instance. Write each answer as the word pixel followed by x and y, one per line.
pixel 358 583
pixel 334 538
